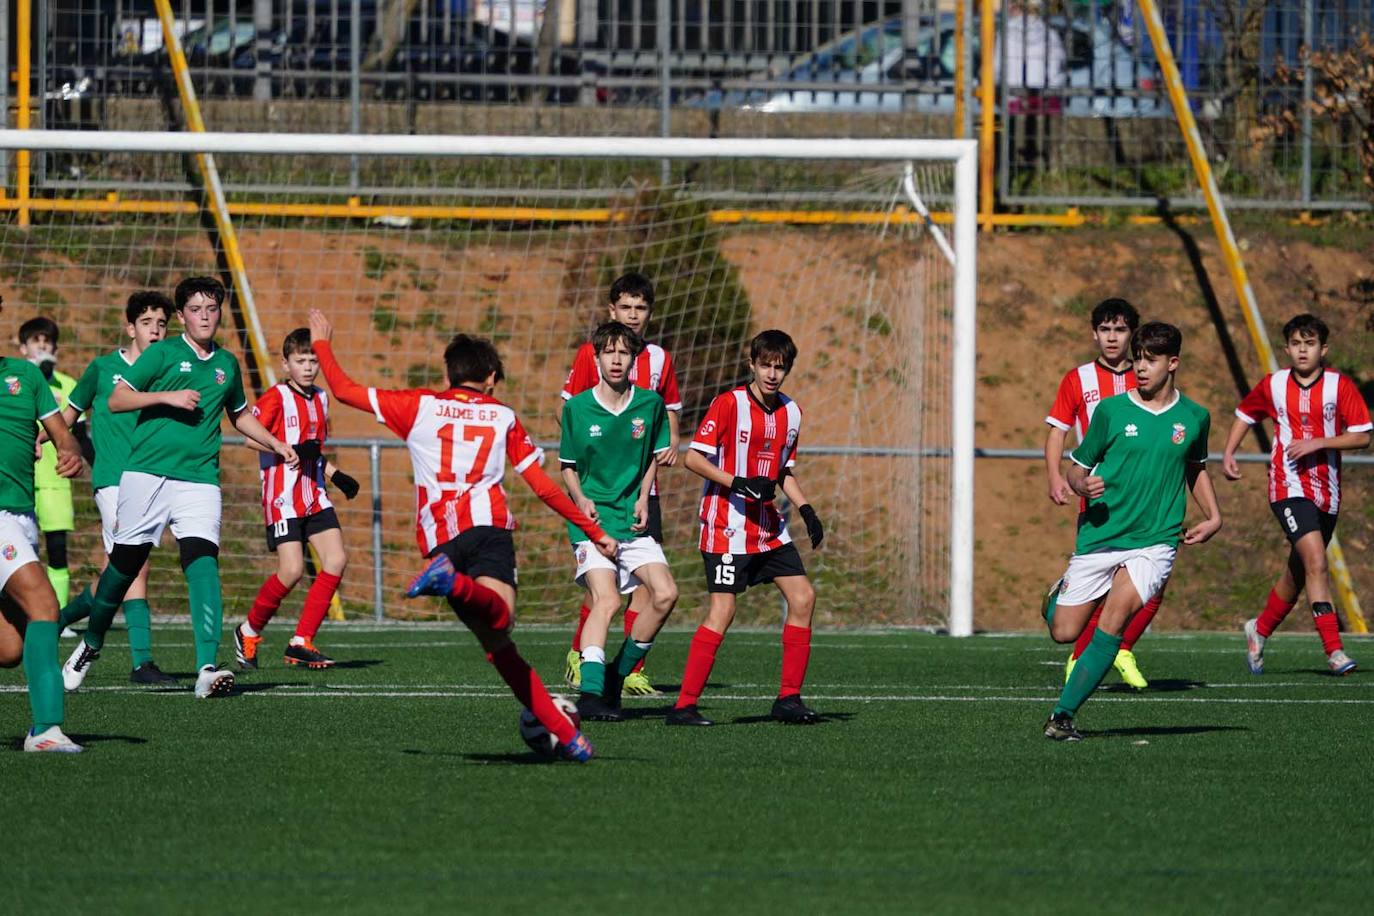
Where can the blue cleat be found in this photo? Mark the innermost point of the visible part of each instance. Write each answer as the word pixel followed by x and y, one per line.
pixel 437 579
pixel 579 749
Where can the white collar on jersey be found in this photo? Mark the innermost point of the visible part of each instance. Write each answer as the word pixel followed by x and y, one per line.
pixel 615 411
pixel 124 355
pixel 208 353
pixel 1135 399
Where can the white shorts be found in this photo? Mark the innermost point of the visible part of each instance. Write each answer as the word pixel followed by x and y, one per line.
pixel 107 502
pixel 18 543
pixel 1090 575
pixel 147 503
pixel 633 554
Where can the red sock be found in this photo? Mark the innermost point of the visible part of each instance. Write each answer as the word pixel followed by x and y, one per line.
pixel 1087 635
pixel 269 598
pixel 469 595
pixel 316 604
pixel 1328 628
pixel 583 613
pixel 1136 628
pixel 796 653
pixel 700 659
pixel 529 689
pixel 630 616
pixel 1275 609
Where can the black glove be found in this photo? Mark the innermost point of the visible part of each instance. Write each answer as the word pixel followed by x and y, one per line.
pixel 760 488
pixel 814 529
pixel 347 485
pixel 308 449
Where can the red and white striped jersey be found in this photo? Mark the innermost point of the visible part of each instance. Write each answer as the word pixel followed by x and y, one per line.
pixel 293 417
pixel 1081 390
pixel 743 439
pixel 459 441
pixel 1330 406
pixel 652 369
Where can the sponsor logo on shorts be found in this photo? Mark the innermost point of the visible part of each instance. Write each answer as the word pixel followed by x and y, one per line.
pixel 1063 585
pixel 1180 431
pixel 637 428
pixel 594 430
pixel 581 555
pixel 13 385
pixel 9 552
pixel 185 365
pixel 220 376
pixel 1131 431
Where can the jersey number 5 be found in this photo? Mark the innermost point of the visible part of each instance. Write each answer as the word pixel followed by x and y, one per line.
pixel 485 436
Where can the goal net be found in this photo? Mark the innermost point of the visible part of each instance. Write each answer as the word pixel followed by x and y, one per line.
pixel 404 241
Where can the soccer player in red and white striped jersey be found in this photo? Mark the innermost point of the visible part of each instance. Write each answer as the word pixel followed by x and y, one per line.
pixel 745 449
pixel 1080 391
pixel 631 302
pixel 460 440
pixel 297 508
pixel 1317 413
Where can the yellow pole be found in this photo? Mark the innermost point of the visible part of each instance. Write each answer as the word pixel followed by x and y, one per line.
pixel 960 72
pixel 987 101
pixel 1230 252
pixel 24 27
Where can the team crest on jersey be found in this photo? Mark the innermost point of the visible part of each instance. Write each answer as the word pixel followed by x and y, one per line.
pixel 637 428
pixel 13 385
pixel 1131 431
pixel 594 431
pixel 1329 412
pixel 1179 432
pixel 8 552
pixel 185 365
pixel 729 532
pixel 220 376
pixel 791 438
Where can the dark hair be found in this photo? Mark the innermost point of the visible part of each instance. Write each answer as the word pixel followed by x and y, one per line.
pixel 633 284
pixel 146 300
pixel 1156 339
pixel 471 359
pixel 613 331
pixel 208 286
pixel 773 343
pixel 1116 307
pixel 40 325
pixel 1305 325
pixel 298 341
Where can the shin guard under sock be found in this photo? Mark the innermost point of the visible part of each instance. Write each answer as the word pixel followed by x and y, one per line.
pixel 701 658
pixel 1328 628
pixel 110 589
pixel 796 654
pixel 270 596
pixel 43 671
pixel 138 617
pixel 629 658
pixel 1092 666
pixel 1275 609
pixel 529 689
pixel 316 604
pixel 79 608
pixel 207 608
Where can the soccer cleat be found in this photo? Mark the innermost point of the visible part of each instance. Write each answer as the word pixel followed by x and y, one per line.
pixel 307 655
pixel 1126 667
pixel 1254 647
pixel 791 710
pixel 1060 728
pixel 77 666
pixel 436 578
pixel 246 649
pixel 1340 663
pixel 638 685
pixel 1068 667
pixel 598 709
pixel 572 673
pixel 50 741
pixel 214 682
pixel 150 673
pixel 686 715
pixel 578 750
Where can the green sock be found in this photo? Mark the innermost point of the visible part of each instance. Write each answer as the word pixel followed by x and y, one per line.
pixel 61 580
pixel 593 677
pixel 109 594
pixel 625 660
pixel 207 608
pixel 44 674
pixel 1050 602
pixel 138 617
pixel 79 608
pixel 1092 667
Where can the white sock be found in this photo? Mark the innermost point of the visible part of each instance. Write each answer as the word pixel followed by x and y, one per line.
pixel 297 641
pixel 247 630
pixel 594 654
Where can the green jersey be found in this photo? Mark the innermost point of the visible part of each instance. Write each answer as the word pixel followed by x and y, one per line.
pixel 45 475
pixel 1141 455
pixel 24 398
pixel 183 444
pixel 611 452
pixel 111 433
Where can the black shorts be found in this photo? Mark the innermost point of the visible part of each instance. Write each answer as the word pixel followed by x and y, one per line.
pixel 300 529
pixel 655 529
pixel 1299 516
pixel 735 572
pixel 482 551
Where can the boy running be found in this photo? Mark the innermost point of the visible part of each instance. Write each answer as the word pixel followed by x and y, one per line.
pixel 178 388
pixel 145 314
pixel 297 508
pixel 747 445
pixel 631 301
pixel 613 437
pixel 28 606
pixel 1141 449
pixel 1317 414
pixel 459 441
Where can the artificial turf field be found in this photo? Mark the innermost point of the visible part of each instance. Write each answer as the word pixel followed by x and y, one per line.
pixel 397 783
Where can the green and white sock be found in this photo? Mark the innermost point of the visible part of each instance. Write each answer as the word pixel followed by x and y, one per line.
pixel 625 660
pixel 1092 667
pixel 138 617
pixel 207 607
pixel 44 674
pixel 593 670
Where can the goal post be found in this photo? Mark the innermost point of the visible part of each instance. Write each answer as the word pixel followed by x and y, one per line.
pixel 865 250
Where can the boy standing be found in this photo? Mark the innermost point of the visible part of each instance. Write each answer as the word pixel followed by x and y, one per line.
pixel 297 508
pixel 146 314
pixel 459 441
pixel 1317 414
pixel 631 302
pixel 613 437
pixel 1140 451
pixel 178 387
pixel 745 445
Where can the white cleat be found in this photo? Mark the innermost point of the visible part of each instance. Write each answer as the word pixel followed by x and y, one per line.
pixel 77 666
pixel 1340 663
pixel 214 682
pixel 1254 647
pixel 51 741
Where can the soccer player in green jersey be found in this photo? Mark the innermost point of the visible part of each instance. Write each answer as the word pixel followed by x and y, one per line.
pixel 146 314
pixel 1141 450
pixel 614 435
pixel 28 606
pixel 178 387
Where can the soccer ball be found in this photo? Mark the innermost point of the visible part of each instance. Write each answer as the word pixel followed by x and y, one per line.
pixel 533 732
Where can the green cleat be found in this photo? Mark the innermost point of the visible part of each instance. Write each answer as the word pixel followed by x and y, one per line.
pixel 1068 667
pixel 1126 667
pixel 638 685
pixel 572 673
